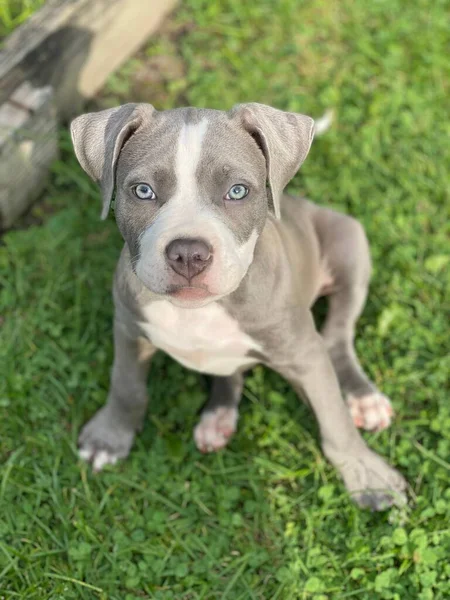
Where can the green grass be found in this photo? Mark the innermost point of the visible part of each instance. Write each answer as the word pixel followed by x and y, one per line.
pixel 14 12
pixel 268 518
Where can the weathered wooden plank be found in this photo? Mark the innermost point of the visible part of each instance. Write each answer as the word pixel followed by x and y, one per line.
pixel 73 45
pixel 48 67
pixel 28 145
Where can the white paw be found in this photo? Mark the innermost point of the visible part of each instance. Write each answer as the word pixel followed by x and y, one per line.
pixel 98 458
pixel 215 429
pixel 104 439
pixel 372 411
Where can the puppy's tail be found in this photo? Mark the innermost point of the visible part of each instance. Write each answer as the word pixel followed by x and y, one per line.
pixel 324 123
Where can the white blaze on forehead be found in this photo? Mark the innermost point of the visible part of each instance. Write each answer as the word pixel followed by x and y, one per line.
pixel 180 215
pixel 189 149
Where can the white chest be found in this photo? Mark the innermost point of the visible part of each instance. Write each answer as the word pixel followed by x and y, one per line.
pixel 204 339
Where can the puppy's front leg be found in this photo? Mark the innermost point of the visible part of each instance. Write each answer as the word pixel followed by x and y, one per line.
pixel 109 435
pixel 220 415
pixel 301 357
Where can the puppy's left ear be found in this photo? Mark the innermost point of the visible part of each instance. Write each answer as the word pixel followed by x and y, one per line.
pixel 284 138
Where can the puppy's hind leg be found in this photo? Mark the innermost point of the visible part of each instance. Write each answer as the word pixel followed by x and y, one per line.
pixel 345 247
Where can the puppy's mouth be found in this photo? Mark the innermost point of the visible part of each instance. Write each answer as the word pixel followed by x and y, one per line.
pixel 190 294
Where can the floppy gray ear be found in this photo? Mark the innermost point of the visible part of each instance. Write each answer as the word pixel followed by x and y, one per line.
pixel 284 138
pixel 98 139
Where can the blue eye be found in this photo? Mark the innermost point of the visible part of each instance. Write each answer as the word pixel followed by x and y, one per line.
pixel 237 192
pixel 144 191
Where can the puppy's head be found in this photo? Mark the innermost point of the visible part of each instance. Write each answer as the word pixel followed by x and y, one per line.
pixel 191 196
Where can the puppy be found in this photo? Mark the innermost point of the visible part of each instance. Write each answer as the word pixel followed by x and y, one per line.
pixel 220 270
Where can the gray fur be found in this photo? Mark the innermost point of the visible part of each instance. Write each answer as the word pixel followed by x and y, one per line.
pixel 270 300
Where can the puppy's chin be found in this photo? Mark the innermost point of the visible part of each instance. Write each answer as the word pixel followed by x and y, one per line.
pixel 191 297
pixel 185 296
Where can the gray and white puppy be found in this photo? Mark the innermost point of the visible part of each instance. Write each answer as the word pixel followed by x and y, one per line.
pixel 220 271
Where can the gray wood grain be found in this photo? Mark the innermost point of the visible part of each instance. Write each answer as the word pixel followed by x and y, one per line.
pixel 61 56
pixel 28 145
pixel 74 45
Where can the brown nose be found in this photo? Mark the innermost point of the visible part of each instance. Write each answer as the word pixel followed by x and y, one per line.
pixel 188 257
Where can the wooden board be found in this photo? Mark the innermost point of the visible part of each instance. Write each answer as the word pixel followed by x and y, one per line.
pixel 28 145
pixel 61 56
pixel 74 45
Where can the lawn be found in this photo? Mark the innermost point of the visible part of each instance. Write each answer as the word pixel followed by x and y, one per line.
pixel 267 518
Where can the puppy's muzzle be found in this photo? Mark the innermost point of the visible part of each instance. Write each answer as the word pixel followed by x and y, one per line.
pixel 188 257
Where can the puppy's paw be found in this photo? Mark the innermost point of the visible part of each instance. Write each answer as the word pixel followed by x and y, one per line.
pixel 98 458
pixel 372 412
pixel 371 482
pixel 104 441
pixel 215 429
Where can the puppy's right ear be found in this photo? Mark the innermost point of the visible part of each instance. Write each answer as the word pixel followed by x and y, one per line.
pixel 98 139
